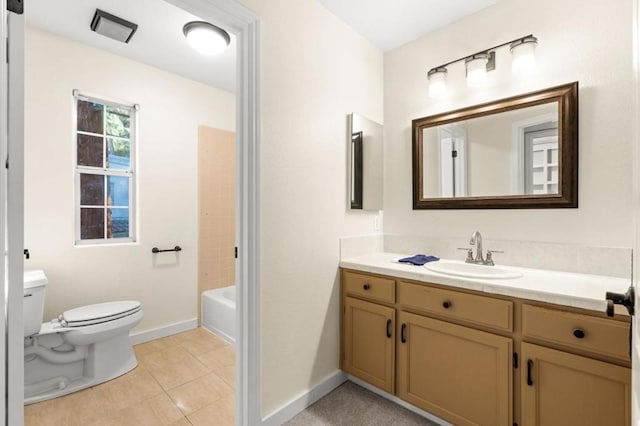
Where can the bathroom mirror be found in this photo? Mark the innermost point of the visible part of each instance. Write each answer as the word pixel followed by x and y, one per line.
pixel 365 163
pixel 519 152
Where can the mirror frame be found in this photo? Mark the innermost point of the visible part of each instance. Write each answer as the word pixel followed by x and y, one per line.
pixel 567 197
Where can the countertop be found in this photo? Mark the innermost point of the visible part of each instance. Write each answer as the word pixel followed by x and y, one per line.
pixel 561 288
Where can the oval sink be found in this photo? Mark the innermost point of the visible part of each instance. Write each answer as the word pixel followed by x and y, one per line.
pixel 471 270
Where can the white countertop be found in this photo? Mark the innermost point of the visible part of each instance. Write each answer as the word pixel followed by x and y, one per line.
pixel 561 288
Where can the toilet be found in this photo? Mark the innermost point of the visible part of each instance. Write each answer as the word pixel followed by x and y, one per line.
pixel 80 348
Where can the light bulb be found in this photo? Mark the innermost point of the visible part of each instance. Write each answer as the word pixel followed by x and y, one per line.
pixel 477 69
pixel 437 82
pixel 524 58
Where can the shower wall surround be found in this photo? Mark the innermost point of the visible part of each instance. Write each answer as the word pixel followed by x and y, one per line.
pixel 609 261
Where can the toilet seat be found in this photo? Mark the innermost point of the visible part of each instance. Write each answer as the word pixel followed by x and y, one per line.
pixel 98 313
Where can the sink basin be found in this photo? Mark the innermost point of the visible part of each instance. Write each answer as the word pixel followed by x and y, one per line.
pixel 471 270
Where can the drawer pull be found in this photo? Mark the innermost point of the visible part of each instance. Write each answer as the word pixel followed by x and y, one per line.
pixel 403 333
pixel 366 286
pixel 446 304
pixel 529 368
pixel 389 328
pixel 579 333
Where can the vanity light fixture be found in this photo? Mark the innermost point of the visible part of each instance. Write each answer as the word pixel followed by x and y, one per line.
pixel 437 82
pixel 478 64
pixel 206 38
pixel 523 51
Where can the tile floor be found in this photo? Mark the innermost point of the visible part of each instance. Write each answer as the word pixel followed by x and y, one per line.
pixel 184 379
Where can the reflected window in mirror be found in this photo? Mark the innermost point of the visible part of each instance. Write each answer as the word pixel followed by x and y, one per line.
pixel 519 152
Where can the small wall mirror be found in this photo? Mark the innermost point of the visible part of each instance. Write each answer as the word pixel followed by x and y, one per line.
pixel 365 163
pixel 520 152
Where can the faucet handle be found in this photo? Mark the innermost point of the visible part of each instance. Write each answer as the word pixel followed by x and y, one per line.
pixel 469 258
pixel 489 260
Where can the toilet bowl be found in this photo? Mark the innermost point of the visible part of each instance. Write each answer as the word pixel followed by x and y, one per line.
pixel 80 348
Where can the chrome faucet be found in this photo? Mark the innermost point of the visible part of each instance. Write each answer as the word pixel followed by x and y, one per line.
pixel 476 240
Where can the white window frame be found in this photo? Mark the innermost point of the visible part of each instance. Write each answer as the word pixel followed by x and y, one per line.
pixel 102 171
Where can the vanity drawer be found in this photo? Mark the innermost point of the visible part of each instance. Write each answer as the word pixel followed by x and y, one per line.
pixel 376 288
pixel 484 311
pixel 598 335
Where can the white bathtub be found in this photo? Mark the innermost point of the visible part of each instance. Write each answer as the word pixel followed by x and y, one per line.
pixel 219 312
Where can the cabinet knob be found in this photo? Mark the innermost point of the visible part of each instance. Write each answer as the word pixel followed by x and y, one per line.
pixel 579 333
pixel 366 286
pixel 446 304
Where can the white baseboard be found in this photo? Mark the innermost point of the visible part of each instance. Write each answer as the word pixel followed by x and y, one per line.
pixel 398 401
pixel 167 330
pixel 304 400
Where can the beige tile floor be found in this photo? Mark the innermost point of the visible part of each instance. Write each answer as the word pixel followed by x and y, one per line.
pixel 184 379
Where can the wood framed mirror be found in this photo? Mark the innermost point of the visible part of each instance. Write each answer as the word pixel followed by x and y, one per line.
pixel 514 153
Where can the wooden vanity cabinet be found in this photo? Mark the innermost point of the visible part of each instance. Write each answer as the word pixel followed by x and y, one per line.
pixel 457 373
pixel 560 389
pixel 369 342
pixel 474 359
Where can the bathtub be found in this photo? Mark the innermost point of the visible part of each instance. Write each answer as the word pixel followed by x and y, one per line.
pixel 219 312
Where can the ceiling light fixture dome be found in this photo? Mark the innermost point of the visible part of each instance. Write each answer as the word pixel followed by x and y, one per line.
pixel 206 38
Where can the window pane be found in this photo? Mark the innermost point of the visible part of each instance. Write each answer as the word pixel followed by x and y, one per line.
pixel 91 224
pixel 91 190
pixel 118 122
pixel 118 154
pixel 90 117
pixel 90 151
pixel 118 194
pixel 118 225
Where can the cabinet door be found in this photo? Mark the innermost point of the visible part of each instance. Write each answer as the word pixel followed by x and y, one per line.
pixel 565 389
pixel 369 342
pixel 459 374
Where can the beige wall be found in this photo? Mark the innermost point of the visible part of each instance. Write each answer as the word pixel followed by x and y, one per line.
pixel 171 108
pixel 585 41
pixel 216 208
pixel 315 71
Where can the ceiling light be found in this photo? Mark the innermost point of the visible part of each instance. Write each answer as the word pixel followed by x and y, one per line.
pixel 112 26
pixel 477 69
pixel 437 82
pixel 206 38
pixel 524 58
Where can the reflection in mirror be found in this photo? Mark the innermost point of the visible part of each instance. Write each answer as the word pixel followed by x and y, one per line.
pixel 365 163
pixel 513 153
pixel 519 152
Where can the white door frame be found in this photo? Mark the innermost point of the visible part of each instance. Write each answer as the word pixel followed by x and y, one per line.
pixel 246 26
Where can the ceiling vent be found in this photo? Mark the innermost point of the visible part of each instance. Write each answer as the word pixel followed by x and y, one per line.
pixel 113 27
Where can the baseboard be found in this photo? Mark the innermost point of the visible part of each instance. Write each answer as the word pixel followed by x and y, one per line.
pixel 398 401
pixel 167 330
pixel 304 400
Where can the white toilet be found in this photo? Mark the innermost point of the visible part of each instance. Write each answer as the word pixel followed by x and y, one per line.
pixel 81 348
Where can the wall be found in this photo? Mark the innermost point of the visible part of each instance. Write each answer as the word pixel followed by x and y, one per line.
pixel 216 209
pixel 171 108
pixel 315 71
pixel 585 41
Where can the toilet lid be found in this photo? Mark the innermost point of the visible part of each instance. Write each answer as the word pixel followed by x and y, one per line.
pixel 101 312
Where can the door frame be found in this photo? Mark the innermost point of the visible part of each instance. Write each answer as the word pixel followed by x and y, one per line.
pixel 246 26
pixel 635 138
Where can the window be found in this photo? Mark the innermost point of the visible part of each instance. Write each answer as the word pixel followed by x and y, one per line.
pixel 104 171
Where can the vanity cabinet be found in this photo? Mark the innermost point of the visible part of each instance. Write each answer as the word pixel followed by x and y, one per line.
pixel 457 373
pixel 560 389
pixel 472 358
pixel 369 344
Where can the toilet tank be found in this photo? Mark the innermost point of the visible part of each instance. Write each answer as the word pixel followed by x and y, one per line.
pixel 34 287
